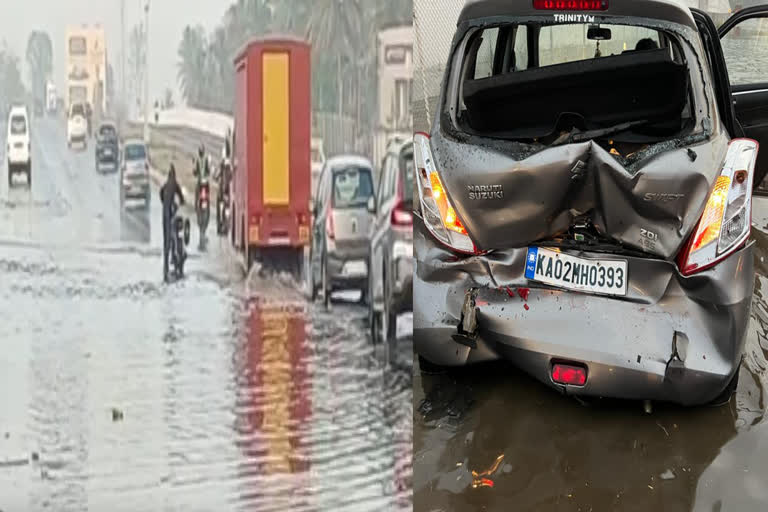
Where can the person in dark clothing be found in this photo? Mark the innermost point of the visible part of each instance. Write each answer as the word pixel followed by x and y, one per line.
pixel 646 44
pixel 168 194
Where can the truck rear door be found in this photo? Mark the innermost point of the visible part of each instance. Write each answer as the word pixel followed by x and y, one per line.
pixel 276 182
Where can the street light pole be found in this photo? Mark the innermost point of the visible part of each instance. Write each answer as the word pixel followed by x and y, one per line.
pixel 122 50
pixel 146 72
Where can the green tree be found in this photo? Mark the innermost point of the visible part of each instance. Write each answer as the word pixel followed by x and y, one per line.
pixel 192 66
pixel 39 57
pixel 137 58
pixel 335 27
pixel 11 86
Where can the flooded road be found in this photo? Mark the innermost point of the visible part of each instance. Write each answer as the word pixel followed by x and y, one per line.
pixel 490 438
pixel 213 393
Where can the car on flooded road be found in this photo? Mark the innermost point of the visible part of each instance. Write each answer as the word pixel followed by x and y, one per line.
pixel 107 148
pixel 585 199
pixel 342 227
pixel 134 173
pixel 18 142
pixel 390 275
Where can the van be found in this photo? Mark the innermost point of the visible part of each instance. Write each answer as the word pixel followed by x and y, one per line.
pixel 18 144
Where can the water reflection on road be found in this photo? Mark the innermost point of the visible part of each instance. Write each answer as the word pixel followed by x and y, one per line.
pixel 491 438
pixel 212 393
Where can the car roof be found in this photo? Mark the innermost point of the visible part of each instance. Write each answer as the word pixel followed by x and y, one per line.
pixel 344 160
pixel 133 142
pixel 18 110
pixel 676 11
pixel 111 124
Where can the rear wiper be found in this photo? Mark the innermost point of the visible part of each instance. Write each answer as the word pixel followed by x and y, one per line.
pixel 580 136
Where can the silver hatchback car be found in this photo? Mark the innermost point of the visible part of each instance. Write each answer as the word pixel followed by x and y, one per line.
pixel 342 226
pixel 586 214
pixel 134 172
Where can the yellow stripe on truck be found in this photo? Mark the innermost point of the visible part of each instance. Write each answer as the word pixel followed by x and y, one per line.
pixel 275 102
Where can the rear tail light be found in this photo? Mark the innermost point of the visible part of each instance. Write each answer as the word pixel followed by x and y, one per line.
pixel 303 219
pixel 569 374
pixel 437 211
pixel 254 219
pixel 571 5
pixel 329 229
pixel 402 216
pixel 727 219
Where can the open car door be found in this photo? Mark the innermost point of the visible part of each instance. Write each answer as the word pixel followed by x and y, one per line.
pixel 744 42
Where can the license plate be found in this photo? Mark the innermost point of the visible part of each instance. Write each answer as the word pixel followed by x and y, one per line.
pixel 608 277
pixel 355 268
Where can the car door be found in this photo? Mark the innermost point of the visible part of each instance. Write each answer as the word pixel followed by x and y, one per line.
pixel 318 222
pixel 385 203
pixel 378 234
pixel 744 43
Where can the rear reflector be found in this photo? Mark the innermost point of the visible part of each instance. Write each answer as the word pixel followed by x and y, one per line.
pixel 571 5
pixel 570 375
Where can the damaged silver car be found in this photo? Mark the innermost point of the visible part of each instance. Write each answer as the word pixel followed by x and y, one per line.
pixel 585 199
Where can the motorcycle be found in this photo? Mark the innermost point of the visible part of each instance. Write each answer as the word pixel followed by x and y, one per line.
pixel 179 241
pixel 203 210
pixel 222 207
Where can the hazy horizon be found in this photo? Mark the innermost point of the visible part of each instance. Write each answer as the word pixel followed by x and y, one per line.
pixel 166 21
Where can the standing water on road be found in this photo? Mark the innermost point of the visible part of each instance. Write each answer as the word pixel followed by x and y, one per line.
pixel 211 393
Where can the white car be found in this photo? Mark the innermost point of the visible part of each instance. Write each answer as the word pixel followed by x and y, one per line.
pixel 18 140
pixel 77 125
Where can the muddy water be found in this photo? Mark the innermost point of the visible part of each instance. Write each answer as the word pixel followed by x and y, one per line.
pixel 490 438
pixel 118 392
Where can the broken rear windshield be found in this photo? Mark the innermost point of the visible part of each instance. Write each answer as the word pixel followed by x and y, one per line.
pixel 556 84
pixel 352 186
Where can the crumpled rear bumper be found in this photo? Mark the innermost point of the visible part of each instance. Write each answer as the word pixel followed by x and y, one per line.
pixel 672 338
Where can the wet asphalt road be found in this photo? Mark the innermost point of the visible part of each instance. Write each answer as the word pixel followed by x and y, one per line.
pixel 213 393
pixel 542 451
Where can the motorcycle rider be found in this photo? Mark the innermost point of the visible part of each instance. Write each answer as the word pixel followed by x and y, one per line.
pixel 168 193
pixel 202 171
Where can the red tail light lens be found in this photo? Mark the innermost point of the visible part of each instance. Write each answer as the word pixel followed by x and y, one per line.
pixel 569 374
pixel 402 218
pixel 570 5
pixel 329 230
pixel 727 219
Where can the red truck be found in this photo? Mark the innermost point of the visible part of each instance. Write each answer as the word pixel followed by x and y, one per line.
pixel 271 187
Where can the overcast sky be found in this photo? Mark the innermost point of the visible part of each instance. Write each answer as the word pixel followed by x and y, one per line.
pixel 167 20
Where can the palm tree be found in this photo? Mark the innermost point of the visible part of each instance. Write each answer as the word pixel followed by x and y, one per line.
pixel 191 65
pixel 334 26
pixel 40 60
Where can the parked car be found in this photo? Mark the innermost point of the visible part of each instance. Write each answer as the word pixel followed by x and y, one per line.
pixel 107 146
pixel 342 227
pixel 19 144
pixel 77 125
pixel 390 275
pixel 585 199
pixel 134 172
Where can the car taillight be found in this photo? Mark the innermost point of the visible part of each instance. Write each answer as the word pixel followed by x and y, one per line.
pixel 569 374
pixel 436 209
pixel 402 217
pixel 571 5
pixel 727 219
pixel 329 229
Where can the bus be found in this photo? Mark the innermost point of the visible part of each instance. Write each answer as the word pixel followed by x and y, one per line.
pixel 86 66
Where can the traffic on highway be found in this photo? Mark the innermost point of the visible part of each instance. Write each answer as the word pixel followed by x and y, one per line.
pixel 191 321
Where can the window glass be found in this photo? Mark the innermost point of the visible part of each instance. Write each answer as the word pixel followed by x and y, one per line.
pixel 559 44
pixel 352 186
pixel 486 53
pixel 745 48
pixel 18 125
pixel 521 48
pixel 135 152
